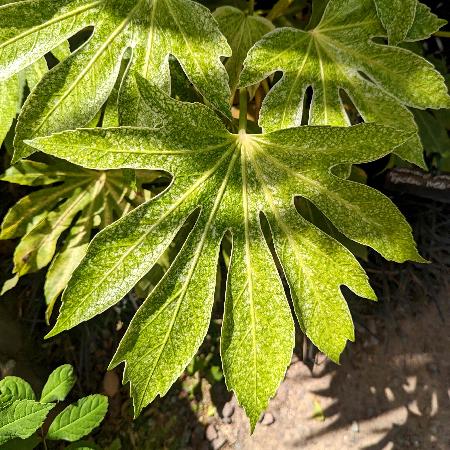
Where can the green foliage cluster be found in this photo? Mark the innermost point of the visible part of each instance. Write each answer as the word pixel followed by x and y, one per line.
pixel 22 416
pixel 249 115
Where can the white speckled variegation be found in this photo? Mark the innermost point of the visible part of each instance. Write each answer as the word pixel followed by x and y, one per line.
pixel 230 180
pixel 397 17
pixel 70 95
pixel 339 54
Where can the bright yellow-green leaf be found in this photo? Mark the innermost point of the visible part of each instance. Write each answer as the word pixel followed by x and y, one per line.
pixel 340 55
pixel 72 93
pixel 227 182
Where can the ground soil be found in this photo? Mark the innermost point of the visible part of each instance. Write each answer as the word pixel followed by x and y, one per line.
pixel 391 391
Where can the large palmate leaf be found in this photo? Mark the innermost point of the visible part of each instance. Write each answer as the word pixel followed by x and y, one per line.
pixel 72 93
pixel 83 201
pixel 226 182
pixel 339 55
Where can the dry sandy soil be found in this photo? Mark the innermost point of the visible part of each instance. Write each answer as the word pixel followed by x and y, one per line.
pixel 390 392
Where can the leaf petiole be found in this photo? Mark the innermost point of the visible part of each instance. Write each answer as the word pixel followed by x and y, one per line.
pixel 242 110
pixel 444 34
pixel 251 7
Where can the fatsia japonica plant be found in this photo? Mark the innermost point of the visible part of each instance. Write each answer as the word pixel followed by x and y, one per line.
pixel 249 112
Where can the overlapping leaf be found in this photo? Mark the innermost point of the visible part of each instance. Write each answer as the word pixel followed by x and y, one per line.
pixel 84 200
pixel 227 181
pixel 397 16
pixel 22 418
pixel 340 55
pixel 242 32
pixel 72 93
pixel 11 89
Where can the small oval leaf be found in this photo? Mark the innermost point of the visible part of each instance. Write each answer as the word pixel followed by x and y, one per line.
pixel 79 419
pixel 59 384
pixel 16 388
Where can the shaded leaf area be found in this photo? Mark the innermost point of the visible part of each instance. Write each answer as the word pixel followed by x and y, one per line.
pixel 242 32
pixel 71 94
pixel 433 131
pixel 237 178
pixel 340 55
pixel 56 223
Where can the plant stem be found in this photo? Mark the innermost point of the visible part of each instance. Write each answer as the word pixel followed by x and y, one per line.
pixel 251 6
pixel 242 109
pixel 444 34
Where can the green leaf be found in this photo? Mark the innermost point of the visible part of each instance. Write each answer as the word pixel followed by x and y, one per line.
pixel 59 384
pixel 70 95
pixel 318 8
pixel 425 24
pixel 340 55
pixel 21 419
pixel 35 73
pixel 16 388
pixel 9 105
pixel 41 217
pixel 11 88
pixel 79 419
pixel 397 17
pixel 236 178
pixel 241 31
